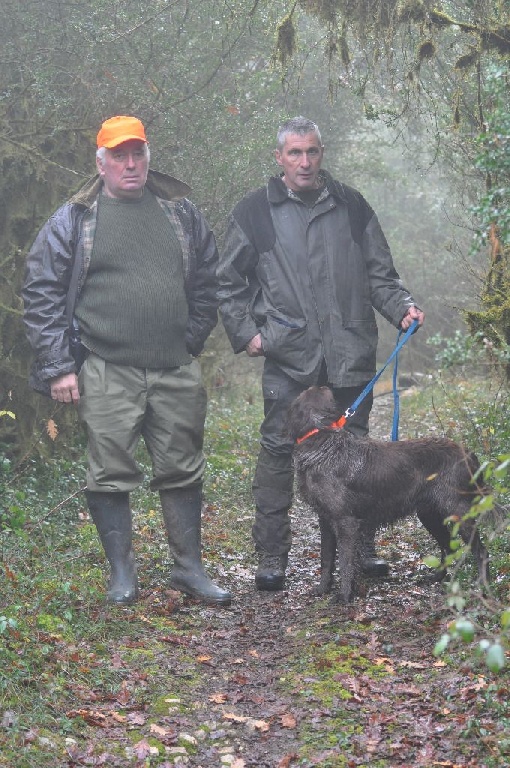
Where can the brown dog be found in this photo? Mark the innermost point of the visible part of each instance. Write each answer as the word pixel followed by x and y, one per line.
pixel 349 481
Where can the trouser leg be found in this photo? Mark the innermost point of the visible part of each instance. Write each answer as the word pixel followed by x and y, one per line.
pixel 273 480
pixel 273 492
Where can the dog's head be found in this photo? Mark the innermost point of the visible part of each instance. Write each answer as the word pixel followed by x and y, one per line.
pixel 315 408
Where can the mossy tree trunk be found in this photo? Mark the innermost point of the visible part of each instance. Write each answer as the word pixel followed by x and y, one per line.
pixel 492 320
pixel 30 189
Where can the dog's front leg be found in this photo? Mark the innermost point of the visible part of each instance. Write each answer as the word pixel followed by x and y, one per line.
pixel 328 552
pixel 348 543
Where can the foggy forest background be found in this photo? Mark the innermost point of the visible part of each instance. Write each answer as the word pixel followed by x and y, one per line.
pixel 411 97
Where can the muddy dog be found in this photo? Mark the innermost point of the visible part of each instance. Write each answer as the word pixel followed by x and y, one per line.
pixel 349 480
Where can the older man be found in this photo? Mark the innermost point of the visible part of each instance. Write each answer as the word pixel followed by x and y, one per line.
pixel 129 263
pixel 304 265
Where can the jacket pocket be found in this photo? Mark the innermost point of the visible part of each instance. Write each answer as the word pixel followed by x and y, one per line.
pixel 284 339
pixel 360 345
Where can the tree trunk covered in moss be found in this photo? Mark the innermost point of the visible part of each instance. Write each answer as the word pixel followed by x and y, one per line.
pixel 492 320
pixel 31 187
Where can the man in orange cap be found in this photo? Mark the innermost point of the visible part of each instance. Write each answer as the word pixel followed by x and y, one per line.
pixel 120 297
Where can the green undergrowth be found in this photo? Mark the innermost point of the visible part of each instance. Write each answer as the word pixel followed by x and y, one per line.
pixel 64 653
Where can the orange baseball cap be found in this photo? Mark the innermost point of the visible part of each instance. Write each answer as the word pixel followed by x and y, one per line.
pixel 116 130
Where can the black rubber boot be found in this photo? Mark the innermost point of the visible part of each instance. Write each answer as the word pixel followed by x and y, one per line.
pixel 182 512
pixel 371 563
pixel 112 517
pixel 270 574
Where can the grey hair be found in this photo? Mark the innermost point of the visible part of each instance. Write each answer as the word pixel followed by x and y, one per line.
pixel 101 153
pixel 299 126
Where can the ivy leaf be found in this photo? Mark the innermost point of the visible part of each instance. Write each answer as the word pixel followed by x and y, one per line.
pixel 465 629
pixel 441 645
pixel 495 658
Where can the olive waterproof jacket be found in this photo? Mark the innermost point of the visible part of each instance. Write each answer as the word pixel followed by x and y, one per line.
pixel 58 261
pixel 308 280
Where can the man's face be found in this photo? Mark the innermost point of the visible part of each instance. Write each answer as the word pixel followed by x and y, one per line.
pixel 124 169
pixel 300 158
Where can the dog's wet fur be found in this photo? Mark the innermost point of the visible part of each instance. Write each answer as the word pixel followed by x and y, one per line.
pixel 354 482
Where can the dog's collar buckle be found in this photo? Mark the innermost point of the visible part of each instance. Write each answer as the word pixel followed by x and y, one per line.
pixel 339 424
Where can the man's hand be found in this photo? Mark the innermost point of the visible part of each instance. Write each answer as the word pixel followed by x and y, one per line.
pixel 254 347
pixel 65 388
pixel 412 314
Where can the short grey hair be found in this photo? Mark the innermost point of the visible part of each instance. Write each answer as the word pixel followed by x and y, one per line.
pixel 101 153
pixel 299 126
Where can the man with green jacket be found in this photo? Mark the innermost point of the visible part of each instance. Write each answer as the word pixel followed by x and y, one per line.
pixel 131 263
pixel 304 265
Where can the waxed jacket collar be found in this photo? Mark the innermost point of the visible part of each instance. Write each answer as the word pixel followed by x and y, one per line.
pixel 277 191
pixel 160 184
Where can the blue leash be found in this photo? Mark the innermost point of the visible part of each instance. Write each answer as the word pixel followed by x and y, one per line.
pixel 401 340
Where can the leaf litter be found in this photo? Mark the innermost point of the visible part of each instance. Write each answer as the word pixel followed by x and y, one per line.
pixel 280 679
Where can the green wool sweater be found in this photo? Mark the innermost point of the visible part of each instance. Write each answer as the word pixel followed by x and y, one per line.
pixel 133 309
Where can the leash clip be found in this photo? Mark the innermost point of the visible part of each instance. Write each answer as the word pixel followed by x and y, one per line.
pixel 349 412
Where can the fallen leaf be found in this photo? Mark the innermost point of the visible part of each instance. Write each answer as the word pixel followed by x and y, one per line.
pixel 136 718
pixel 83 693
pixel 116 661
pixel 261 725
pixel 234 718
pixel 409 690
pixel 287 760
pixel 288 721
pixel 449 764
pixel 52 429
pixel 218 698
pixel 174 639
pixel 142 749
pixel 240 679
pixel 92 717
pixel 30 736
pixel 124 694
pixel 10 574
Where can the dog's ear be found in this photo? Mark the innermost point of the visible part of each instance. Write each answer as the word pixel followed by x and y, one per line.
pixel 314 408
pixel 301 418
pixel 297 423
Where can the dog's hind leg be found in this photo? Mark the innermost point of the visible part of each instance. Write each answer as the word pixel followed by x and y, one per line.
pixel 348 542
pixel 468 531
pixel 434 523
pixel 328 553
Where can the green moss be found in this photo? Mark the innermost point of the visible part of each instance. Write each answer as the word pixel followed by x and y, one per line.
pixel 168 702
